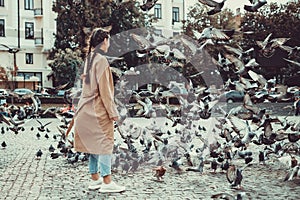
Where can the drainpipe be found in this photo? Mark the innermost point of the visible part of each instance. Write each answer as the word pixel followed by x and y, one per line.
pixel 183 13
pixel 19 36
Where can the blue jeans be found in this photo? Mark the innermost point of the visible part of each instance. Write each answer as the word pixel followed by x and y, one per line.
pixel 100 163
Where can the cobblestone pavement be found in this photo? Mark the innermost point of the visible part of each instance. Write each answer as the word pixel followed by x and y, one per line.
pixel 24 177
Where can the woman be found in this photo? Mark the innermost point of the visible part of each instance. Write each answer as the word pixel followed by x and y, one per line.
pixel 96 113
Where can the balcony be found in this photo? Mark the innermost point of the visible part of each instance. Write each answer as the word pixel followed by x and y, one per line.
pixel 38 12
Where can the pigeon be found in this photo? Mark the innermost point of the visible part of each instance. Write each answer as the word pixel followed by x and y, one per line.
pixel 16 126
pixel 55 155
pixel 42 126
pixel 294 162
pixel 51 148
pixel 293 62
pixel 83 157
pixel 3 145
pixel 38 154
pixel 234 176
pixel 199 168
pixel 3 119
pixel 225 166
pixel 256 4
pixel 227 196
pixel 211 33
pixel 38 135
pixel 263 44
pixel 214 165
pixel 294 172
pixel 176 163
pixel 159 172
pixel 73 159
pixel 217 6
pixel 148 5
pixel 63 120
pixel 262 157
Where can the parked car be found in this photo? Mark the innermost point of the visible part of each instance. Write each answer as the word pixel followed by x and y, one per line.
pixel 60 93
pixel 23 91
pixel 3 93
pixel 232 96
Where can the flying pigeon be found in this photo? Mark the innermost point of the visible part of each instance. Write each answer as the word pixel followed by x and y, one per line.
pixel 148 5
pixel 256 4
pixel 217 6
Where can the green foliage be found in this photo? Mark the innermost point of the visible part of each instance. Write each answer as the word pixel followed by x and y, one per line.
pixel 283 21
pixel 280 20
pixel 65 66
pixel 197 19
pixel 75 21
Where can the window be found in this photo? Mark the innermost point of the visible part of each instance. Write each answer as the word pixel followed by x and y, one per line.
pixel 2 28
pixel 158 32
pixel 175 16
pixel 28 4
pixel 29 58
pixel 29 31
pixel 2 3
pixel 157 11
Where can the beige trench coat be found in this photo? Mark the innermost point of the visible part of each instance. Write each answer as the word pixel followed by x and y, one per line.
pixel 93 127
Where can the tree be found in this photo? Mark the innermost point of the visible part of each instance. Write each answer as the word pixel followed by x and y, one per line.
pixel 198 20
pixel 65 66
pixel 3 75
pixel 282 21
pixel 77 18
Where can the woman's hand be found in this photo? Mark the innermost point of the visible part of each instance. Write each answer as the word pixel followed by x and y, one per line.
pixel 115 118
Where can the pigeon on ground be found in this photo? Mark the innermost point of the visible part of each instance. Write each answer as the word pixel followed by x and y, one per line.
pixel 38 135
pixel 159 172
pixel 214 165
pixel 51 148
pixel 234 176
pixel 199 168
pixel 38 154
pixel 3 145
pixel 227 196
pixel 293 173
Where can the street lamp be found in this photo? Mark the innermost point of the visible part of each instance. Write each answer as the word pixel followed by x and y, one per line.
pixel 13 51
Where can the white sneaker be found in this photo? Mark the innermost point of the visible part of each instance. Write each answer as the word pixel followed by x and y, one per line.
pixel 95 185
pixel 111 187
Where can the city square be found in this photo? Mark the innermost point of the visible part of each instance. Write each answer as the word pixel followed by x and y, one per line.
pixel 201 97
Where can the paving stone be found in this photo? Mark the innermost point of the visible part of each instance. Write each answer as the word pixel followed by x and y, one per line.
pixel 47 179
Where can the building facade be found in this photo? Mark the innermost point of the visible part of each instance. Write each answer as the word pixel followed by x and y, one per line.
pixel 27 30
pixel 26 36
pixel 169 15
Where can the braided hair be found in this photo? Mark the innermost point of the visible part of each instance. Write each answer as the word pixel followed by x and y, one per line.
pixel 94 42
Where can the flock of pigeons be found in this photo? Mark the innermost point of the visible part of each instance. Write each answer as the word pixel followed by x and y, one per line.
pixel 218 5
pixel 215 5
pixel 189 140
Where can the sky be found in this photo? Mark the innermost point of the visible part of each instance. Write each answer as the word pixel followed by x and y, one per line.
pixel 234 4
